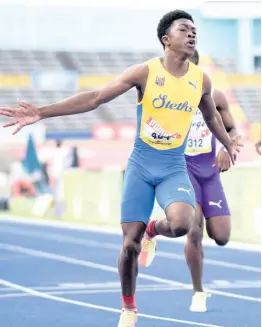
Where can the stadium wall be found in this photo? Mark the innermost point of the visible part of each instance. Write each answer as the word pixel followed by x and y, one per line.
pixel 93 198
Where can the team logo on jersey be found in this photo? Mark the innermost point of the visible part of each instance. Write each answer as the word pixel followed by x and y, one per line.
pixel 192 84
pixel 160 81
pixel 163 102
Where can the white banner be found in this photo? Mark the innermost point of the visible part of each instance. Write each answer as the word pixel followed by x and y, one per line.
pixel 55 80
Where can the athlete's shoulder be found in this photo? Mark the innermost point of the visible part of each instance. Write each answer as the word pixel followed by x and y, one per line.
pixel 195 69
pixel 197 74
pixel 218 94
pixel 137 73
pixel 153 61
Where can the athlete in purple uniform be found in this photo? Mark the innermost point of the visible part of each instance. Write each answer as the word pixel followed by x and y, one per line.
pixel 204 167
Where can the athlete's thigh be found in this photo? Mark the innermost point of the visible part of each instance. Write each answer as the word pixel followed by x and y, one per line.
pixel 175 188
pixel 138 197
pixel 196 185
pixel 214 198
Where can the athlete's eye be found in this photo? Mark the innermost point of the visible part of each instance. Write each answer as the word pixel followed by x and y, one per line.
pixel 183 30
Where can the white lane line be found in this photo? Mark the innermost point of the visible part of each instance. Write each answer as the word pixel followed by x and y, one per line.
pixel 113 246
pixel 85 286
pixel 84 292
pixel 115 231
pixel 93 306
pixel 89 264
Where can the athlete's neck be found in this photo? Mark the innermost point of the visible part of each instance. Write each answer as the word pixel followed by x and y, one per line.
pixel 175 64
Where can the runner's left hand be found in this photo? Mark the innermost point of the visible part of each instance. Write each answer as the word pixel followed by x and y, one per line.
pixel 237 139
pixel 223 161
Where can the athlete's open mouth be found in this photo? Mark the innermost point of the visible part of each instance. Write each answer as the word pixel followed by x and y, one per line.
pixel 191 43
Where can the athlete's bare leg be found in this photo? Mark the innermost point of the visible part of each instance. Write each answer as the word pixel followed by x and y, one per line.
pixel 194 250
pixel 128 263
pixel 219 229
pixel 178 221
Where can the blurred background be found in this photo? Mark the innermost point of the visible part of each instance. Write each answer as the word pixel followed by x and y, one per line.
pixel 71 168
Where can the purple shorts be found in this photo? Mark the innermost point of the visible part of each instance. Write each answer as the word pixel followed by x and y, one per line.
pixel 210 194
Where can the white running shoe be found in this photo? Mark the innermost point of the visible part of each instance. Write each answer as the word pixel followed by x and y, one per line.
pixel 127 319
pixel 148 251
pixel 199 302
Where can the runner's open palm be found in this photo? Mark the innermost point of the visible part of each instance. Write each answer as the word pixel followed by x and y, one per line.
pixel 25 115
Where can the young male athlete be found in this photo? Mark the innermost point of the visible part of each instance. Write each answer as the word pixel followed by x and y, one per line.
pixel 203 168
pixel 170 89
pixel 210 196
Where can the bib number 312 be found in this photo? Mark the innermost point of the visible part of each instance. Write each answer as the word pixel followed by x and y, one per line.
pixel 195 143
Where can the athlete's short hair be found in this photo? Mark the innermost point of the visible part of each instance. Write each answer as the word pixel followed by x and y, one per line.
pixel 195 58
pixel 167 20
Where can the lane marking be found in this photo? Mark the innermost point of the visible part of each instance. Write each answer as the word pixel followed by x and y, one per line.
pixel 116 231
pixel 93 306
pixel 65 287
pixel 90 264
pixel 85 292
pixel 113 246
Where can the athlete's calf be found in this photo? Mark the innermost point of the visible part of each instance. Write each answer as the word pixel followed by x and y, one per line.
pixel 128 264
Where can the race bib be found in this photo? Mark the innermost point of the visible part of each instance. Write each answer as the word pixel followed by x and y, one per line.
pixel 157 135
pixel 200 138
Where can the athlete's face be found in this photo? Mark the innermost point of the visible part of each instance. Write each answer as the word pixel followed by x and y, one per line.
pixel 181 37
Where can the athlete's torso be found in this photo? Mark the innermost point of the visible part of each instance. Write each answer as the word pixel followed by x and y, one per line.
pixel 164 115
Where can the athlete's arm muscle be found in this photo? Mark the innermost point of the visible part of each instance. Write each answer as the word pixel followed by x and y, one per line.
pixel 208 109
pixel 223 109
pixel 27 114
pixel 90 100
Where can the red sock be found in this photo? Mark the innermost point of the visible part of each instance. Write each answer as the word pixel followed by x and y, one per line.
pixel 150 230
pixel 129 302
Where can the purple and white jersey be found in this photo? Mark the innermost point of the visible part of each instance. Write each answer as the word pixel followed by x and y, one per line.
pixel 201 147
pixel 200 157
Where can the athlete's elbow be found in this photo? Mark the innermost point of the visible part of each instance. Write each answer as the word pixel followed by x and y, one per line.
pixel 95 101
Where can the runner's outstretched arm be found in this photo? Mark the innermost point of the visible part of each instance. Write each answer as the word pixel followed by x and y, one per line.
pixel 82 102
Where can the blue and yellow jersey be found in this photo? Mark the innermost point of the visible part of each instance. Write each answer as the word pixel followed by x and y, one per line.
pixel 165 113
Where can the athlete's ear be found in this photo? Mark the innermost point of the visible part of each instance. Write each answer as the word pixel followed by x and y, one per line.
pixel 166 40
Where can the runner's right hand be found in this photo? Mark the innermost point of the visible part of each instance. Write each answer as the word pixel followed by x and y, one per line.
pixel 232 149
pixel 27 114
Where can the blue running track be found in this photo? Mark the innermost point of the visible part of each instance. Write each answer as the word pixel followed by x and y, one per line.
pixel 53 276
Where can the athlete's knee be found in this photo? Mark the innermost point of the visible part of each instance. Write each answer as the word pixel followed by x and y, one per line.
pixel 194 236
pixel 219 229
pixel 179 225
pixel 133 233
pixel 131 247
pixel 180 217
pixel 222 240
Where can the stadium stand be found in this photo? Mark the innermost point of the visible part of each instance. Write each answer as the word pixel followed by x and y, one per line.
pixel 249 99
pixel 83 62
pixel 94 68
pixel 120 109
pixel 229 65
